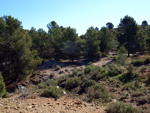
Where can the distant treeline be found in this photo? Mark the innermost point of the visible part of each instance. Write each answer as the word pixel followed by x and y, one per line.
pixel 22 50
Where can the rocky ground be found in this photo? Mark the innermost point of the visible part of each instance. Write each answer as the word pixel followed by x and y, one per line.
pixel 37 104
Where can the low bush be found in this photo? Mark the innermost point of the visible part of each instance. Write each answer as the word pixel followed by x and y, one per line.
pixel 142 100
pixel 147 60
pixel 52 59
pixel 140 62
pixel 72 83
pixel 62 78
pixel 115 82
pixel 75 72
pixel 58 67
pixel 42 85
pixel 122 57
pixel 88 83
pixel 99 92
pixel 2 87
pixel 85 85
pixel 148 80
pixel 130 75
pixel 103 70
pixel 130 86
pixel 52 92
pixel 120 107
pixel 98 76
pixel 137 94
pixel 113 70
pixel 88 69
pixel 35 72
pixel 51 83
pixel 143 68
pixel 90 63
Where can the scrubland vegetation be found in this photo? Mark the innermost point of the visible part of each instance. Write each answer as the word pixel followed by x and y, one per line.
pixel 123 85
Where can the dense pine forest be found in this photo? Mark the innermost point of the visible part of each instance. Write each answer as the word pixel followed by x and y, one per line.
pixel 22 51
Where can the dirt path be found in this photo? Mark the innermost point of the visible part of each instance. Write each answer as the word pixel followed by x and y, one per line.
pixel 47 105
pixel 102 62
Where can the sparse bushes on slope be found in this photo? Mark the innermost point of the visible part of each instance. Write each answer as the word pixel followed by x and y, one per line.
pixel 120 107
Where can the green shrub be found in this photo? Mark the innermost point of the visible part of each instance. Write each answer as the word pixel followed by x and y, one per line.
pixel 88 69
pixel 35 72
pixel 42 85
pixel 148 80
pixel 137 94
pixel 72 83
pixel 52 92
pixel 62 78
pixel 113 70
pixel 2 87
pixel 99 92
pixel 98 76
pixel 141 100
pixel 131 86
pixel 130 75
pixel 121 59
pixel 90 63
pixel 74 73
pixel 120 107
pixel 147 60
pixel 143 68
pixel 140 62
pixel 103 70
pixel 88 83
pixel 115 82
pixel 58 67
pixel 53 59
pixel 51 83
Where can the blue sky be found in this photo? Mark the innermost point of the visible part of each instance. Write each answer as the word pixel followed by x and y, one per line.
pixel 79 14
